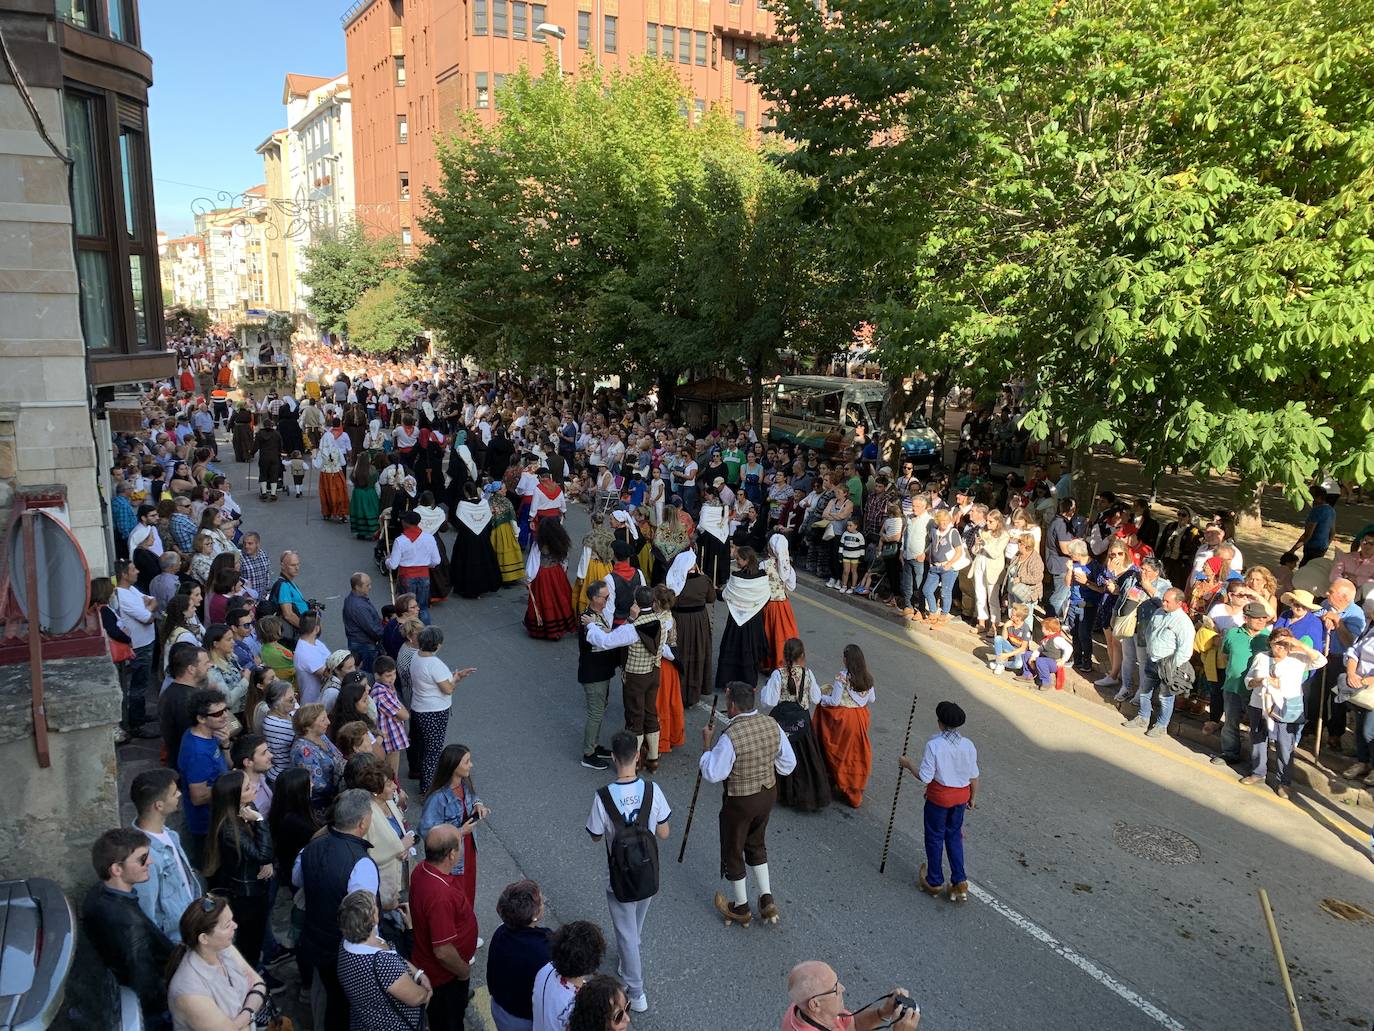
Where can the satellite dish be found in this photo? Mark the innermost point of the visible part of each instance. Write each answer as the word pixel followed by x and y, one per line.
pixel 64 579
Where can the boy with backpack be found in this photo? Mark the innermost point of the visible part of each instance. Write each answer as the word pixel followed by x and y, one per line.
pixel 632 814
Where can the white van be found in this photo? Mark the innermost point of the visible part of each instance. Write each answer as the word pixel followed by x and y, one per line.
pixel 822 412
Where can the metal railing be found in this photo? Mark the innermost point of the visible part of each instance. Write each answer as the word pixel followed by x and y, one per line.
pixel 357 8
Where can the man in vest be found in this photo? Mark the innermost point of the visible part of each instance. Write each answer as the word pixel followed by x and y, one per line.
pixel 333 865
pixel 597 660
pixel 746 758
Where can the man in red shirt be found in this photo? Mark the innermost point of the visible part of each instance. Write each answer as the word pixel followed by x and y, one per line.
pixel 445 928
pixel 815 999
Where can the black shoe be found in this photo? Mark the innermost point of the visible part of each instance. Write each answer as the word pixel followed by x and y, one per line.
pixel 282 955
pixel 1225 760
pixel 602 752
pixel 148 731
pixel 595 762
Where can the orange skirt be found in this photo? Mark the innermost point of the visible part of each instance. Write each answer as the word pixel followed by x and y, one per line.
pixel 672 729
pixel 779 623
pixel 333 495
pixel 842 733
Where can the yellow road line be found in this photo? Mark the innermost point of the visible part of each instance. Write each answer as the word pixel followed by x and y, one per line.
pixel 1136 739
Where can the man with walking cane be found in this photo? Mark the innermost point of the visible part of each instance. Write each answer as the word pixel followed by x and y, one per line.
pixel 746 758
pixel 949 770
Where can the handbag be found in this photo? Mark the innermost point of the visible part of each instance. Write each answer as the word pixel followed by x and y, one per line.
pixel 1124 622
pixel 120 652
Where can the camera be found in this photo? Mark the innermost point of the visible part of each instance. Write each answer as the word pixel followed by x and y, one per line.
pixel 314 605
pixel 904 1003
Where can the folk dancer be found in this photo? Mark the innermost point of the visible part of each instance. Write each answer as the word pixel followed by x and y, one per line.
pixel 949 770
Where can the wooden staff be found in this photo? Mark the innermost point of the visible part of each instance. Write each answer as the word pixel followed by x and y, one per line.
pixel 1278 958
pixel 892 817
pixel 1321 695
pixel 386 547
pixel 696 788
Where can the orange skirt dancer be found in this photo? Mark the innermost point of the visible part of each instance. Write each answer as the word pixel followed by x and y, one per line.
pixel 672 728
pixel 334 496
pixel 842 733
pixel 780 624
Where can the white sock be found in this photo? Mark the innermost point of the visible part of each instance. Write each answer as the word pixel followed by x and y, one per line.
pixel 760 873
pixel 738 895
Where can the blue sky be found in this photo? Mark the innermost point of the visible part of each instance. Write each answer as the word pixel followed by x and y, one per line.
pixel 218 71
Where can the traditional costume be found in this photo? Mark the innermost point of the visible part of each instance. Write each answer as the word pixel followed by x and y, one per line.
pixel 549 612
pixel 692 613
pixel 503 542
pixel 640 682
pixel 462 470
pixel 744 645
pixel 288 425
pixel 374 440
pixel 622 580
pixel 241 431
pixel 670 541
pixel 547 502
pixel 525 488
pixel 841 722
pixel 713 543
pixel 475 571
pixel 363 506
pixel 671 723
pixel 593 564
pixel 267 446
pixel 793 693
pixel 747 757
pixel 948 768
pixel 329 460
pixel 779 621
pixel 433 521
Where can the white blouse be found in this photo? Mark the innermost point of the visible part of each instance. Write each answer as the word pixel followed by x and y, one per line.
pixel 841 695
pixel 772 691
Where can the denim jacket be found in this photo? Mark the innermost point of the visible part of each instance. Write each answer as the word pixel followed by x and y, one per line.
pixel 162 896
pixel 445 807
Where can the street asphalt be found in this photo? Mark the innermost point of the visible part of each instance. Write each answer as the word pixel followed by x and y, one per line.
pixel 1115 877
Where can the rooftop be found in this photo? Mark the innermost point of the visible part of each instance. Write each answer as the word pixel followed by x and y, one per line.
pixel 299 85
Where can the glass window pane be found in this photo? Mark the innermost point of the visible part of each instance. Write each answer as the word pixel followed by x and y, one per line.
pixel 584 29
pixel 140 304
pixel 483 94
pixel 78 111
pixel 684 46
pixel 610 34
pixel 701 49
pixel 668 42
pixel 519 20
pixel 651 40
pixel 121 25
pixel 479 17
pixel 97 316
pixel 131 162
pixel 78 12
pixel 498 17
pixel 538 15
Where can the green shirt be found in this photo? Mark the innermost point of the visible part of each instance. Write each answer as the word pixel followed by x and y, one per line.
pixel 1240 647
pixel 856 495
pixel 733 458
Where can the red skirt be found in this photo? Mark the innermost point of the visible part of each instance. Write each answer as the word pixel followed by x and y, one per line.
pixel 779 623
pixel 549 611
pixel 842 733
pixel 333 495
pixel 672 728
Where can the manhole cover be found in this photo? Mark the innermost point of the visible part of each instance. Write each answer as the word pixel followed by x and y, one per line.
pixel 1159 844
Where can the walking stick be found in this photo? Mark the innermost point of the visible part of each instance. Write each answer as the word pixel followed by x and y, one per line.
pixel 386 547
pixel 1278 957
pixel 697 787
pixel 1321 696
pixel 892 817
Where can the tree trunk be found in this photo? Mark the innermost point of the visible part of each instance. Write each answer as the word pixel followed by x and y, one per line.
pixel 1249 513
pixel 939 390
pixel 667 392
pixel 756 400
pixel 898 406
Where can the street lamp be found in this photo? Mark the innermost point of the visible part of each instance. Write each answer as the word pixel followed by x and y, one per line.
pixel 557 32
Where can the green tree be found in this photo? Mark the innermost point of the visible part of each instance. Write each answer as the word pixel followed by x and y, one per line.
pixel 384 319
pixel 340 266
pixel 179 320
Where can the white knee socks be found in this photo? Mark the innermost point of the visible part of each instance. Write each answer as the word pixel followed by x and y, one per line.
pixel 738 895
pixel 760 873
pixel 652 740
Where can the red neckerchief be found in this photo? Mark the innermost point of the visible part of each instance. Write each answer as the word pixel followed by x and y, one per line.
pixel 623 569
pixel 337 431
pixel 411 533
pixel 551 491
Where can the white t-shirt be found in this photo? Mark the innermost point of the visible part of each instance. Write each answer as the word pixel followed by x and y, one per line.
pixel 628 799
pixel 426 671
pixel 552 1000
pixel 308 658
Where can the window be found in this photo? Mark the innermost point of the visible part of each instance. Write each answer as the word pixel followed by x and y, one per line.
pixel 684 46
pixel 479 17
pixel 741 57
pixel 405 186
pixel 498 17
pixel 77 12
pixel 136 283
pixel 520 20
pixel 122 22
pixel 93 248
pixel 498 82
pixel 699 109
pixel 539 13
pixel 483 93
pixel 584 29
pixel 701 49
pixel 651 39
pixel 131 165
pixel 608 35
pixel 400 70
pixel 402 129
pixel 667 50
pixel 406 236
pixel 739 118
pixel 682 108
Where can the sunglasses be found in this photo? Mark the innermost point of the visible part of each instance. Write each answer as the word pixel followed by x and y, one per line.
pixel 208 900
pixel 217 712
pixel 142 860
pixel 619 1015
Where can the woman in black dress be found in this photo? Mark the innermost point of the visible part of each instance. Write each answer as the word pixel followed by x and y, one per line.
pixel 289 426
pixel 792 691
pixel 692 612
pixel 713 538
pixel 744 645
pixel 474 569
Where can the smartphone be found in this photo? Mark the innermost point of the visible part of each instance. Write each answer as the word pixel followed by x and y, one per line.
pixel 472 817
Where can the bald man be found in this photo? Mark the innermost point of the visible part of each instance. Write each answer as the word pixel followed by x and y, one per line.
pixel 1345 621
pixel 815 999
pixel 445 928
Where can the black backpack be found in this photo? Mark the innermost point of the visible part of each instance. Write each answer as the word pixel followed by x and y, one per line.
pixel 271 604
pixel 633 858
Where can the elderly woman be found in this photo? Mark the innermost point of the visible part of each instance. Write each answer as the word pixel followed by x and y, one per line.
pixel 1275 680
pixel 314 751
pixel 392 841
pixel 212 986
pixel 518 949
pixel 432 684
pixel 1025 574
pixel 385 993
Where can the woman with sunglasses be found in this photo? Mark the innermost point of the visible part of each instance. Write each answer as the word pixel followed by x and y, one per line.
pixel 211 985
pixel 238 858
pixel 601 1005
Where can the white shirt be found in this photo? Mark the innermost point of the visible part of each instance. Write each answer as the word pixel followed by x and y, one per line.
pixel 543 503
pixel 607 640
pixel 1290 672
pixel 426 673
pixel 834 698
pixel 689 475
pixel 1204 553
pixel 720 760
pixel 422 551
pixel 772 691
pixel 951 759
pixel 135 616
pixel 310 657
pixel 628 799
pixel 552 1000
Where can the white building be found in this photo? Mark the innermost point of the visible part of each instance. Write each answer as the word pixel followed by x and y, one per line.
pixel 182 262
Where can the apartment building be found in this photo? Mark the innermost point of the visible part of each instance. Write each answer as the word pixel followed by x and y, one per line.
pixel 182 262
pixel 415 64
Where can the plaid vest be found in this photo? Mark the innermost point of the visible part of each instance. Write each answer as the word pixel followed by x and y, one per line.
pixel 755 740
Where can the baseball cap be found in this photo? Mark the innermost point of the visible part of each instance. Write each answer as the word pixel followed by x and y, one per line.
pixel 1255 610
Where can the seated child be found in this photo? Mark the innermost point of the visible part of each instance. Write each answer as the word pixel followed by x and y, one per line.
pixel 1056 655
pixel 1013 647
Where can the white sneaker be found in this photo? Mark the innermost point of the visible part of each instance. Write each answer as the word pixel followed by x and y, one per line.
pixel 849 590
pixel 996 667
pixel 639 1003
pixel 1107 681
pixel 832 582
pixel 481 941
pixel 1122 695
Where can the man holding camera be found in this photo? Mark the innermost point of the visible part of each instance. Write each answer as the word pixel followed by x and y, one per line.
pixel 815 999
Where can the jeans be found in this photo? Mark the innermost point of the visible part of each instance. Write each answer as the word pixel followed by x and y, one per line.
pixel 1059 594
pixel 944 834
pixel 1083 636
pixel 134 709
pixel 1020 594
pixel 1285 738
pixel 689 500
pixel 1364 733
pixel 366 653
pixel 1130 664
pixel 506 1022
pixel 418 586
pixel 597 692
pixel 913 574
pixel 1149 684
pixel 943 579
pixel 1233 707
pixel 1000 645
pixel 627 918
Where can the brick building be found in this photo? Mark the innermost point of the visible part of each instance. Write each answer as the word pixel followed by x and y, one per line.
pixel 414 64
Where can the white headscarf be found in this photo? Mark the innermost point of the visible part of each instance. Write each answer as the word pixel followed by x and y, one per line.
pixel 782 560
pixel 677 573
pixel 624 519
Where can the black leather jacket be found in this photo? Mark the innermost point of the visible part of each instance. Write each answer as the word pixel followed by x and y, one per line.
pixel 131 945
pixel 238 867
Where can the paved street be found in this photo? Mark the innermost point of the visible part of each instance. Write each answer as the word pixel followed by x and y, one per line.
pixel 1067 928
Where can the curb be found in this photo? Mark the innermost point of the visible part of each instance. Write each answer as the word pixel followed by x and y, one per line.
pixel 1184 726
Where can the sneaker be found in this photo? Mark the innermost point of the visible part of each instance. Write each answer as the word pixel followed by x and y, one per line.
pixel 601 751
pixel 481 941
pixel 996 667
pixel 848 590
pixel 860 591
pixel 595 762
pixel 1107 681
pixel 1134 721
pixel 1158 730
pixel 121 735
pixel 1122 695
pixel 1225 760
pixel 639 1003
pixel 832 582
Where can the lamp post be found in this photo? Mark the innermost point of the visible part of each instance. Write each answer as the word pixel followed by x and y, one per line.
pixel 557 32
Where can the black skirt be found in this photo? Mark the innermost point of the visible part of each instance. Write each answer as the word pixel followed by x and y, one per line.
pixel 743 650
pixel 808 786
